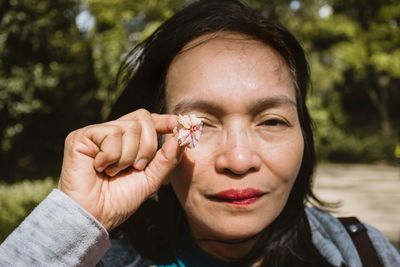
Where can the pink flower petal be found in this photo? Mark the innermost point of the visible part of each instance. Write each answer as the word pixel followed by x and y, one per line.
pixel 189 130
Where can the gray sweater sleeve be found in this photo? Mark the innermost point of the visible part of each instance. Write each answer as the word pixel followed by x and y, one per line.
pixel 335 244
pixel 58 232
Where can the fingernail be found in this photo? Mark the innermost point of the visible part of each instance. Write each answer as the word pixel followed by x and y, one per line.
pixel 140 164
pixel 110 172
pixel 100 168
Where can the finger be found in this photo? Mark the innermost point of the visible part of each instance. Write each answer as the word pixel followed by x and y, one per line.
pixel 108 139
pixel 164 123
pixel 151 126
pixel 165 160
pixel 130 147
pixel 134 115
pixel 148 142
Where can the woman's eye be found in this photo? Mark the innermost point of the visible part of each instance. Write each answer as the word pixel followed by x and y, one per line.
pixel 275 123
pixel 207 124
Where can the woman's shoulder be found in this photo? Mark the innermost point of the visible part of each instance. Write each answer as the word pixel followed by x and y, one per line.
pixel 335 244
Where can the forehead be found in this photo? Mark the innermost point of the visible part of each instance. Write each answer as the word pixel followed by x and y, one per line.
pixel 226 68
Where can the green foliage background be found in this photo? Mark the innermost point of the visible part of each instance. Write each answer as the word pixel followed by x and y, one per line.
pixel 56 77
pixel 18 200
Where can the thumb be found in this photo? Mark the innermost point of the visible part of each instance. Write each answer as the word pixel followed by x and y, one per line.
pixel 165 160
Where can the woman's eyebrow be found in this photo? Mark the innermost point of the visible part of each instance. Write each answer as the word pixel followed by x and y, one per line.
pixel 254 107
pixel 262 104
pixel 200 105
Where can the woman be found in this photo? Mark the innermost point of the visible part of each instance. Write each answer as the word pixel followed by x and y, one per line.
pixel 236 199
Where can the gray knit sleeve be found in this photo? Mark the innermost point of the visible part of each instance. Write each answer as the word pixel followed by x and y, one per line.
pixel 58 232
pixel 336 246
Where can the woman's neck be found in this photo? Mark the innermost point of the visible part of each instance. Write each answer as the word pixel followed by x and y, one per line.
pixel 228 251
pixel 225 251
pixel 222 249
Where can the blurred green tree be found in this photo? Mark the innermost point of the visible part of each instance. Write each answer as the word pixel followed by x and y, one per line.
pixel 355 48
pixel 120 25
pixel 56 76
pixel 47 83
pixel 354 53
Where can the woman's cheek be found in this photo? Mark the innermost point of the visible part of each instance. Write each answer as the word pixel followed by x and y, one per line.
pixel 283 160
pixel 195 163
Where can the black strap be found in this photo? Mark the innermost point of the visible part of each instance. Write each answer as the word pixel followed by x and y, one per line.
pixel 364 246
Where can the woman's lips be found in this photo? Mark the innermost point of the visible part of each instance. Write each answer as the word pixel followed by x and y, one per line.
pixel 238 197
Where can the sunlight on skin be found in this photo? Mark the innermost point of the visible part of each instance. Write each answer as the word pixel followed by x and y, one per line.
pixel 251 139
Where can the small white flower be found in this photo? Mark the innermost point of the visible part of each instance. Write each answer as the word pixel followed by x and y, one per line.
pixel 189 130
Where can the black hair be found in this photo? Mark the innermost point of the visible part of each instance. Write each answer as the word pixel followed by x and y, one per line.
pixel 285 242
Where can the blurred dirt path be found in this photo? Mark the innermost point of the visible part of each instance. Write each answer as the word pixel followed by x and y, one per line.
pixel 369 192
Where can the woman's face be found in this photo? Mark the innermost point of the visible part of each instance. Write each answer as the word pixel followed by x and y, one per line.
pixel 237 179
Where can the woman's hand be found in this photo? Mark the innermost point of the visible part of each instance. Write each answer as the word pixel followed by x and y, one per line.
pixel 110 169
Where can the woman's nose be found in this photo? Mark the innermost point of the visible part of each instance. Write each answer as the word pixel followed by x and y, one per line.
pixel 237 156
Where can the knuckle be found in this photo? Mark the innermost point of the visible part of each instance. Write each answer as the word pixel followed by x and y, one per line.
pixel 133 126
pixel 113 155
pixel 70 139
pixel 163 159
pixel 114 130
pixel 126 161
pixel 143 112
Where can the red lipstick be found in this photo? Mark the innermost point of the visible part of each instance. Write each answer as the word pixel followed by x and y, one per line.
pixel 238 197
